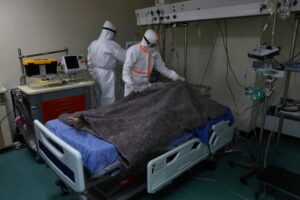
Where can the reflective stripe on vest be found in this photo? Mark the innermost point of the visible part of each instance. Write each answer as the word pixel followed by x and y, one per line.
pixel 141 72
pixel 149 71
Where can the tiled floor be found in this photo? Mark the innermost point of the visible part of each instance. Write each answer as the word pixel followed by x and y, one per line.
pixel 22 178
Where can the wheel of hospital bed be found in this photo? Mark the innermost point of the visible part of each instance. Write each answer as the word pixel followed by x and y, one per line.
pixel 82 197
pixel 210 164
pixel 63 188
pixel 38 159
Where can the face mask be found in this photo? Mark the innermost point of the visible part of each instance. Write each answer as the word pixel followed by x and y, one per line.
pixel 151 48
pixel 113 37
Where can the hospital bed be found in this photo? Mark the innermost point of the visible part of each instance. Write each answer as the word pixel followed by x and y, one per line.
pixel 82 160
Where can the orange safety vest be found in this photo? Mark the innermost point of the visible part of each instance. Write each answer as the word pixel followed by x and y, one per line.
pixel 149 71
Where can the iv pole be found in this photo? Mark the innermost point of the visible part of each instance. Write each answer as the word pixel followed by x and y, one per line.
pixel 256 164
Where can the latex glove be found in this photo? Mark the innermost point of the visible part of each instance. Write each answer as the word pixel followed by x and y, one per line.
pixel 180 78
pixel 133 88
pixel 129 88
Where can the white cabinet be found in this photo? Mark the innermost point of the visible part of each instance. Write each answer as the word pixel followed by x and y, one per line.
pixel 5 132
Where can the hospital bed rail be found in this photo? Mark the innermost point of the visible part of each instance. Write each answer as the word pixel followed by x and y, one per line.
pixel 61 157
pixel 161 171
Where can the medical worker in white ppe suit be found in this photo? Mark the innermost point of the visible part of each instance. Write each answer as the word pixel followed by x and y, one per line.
pixel 140 61
pixel 103 55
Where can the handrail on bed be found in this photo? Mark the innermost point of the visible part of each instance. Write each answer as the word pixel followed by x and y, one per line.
pixel 67 162
pixel 222 134
pixel 168 166
pixel 61 157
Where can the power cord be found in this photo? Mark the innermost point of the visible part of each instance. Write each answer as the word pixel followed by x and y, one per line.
pixel 225 43
pixel 221 184
pixel 269 141
pixel 210 57
pixel 227 82
pixel 172 48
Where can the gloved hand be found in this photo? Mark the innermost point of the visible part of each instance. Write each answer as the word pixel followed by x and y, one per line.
pixel 129 88
pixel 180 78
pixel 133 88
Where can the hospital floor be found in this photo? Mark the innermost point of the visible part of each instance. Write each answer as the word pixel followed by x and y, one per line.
pixel 22 178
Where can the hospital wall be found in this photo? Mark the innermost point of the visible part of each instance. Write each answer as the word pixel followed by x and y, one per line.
pixel 244 34
pixel 43 25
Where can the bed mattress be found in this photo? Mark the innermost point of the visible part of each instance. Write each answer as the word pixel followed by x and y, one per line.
pixel 97 154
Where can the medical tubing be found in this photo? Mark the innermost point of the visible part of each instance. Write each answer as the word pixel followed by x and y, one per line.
pixel 227 53
pixel 268 144
pixel 210 57
pixel 248 108
pixel 266 25
pixel 267 150
pixel 172 48
pixel 231 91
pixel 239 147
pixel 186 33
pixel 274 26
pixel 226 77
pixel 278 63
pixel 221 184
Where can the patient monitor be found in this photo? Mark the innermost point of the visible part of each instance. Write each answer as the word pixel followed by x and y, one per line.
pixel 73 64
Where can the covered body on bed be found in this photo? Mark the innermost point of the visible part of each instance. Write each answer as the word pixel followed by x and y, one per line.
pixel 97 154
pixel 69 151
pixel 161 170
pixel 151 119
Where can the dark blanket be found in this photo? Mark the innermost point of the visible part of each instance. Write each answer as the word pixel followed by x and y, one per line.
pixel 142 122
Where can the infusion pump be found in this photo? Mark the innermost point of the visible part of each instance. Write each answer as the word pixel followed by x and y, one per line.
pixel 73 64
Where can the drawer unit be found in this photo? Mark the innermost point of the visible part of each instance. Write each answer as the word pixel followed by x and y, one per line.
pixel 53 108
pixel 48 103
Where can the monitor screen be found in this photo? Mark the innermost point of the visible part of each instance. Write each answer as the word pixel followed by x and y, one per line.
pixel 35 69
pixel 71 62
pixel 51 69
pixel 32 70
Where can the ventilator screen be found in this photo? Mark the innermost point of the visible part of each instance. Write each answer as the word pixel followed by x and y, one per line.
pixel 72 62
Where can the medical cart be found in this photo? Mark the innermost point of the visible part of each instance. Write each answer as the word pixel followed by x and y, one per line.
pixel 48 103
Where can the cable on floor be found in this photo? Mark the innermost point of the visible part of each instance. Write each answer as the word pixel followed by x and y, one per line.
pixel 221 184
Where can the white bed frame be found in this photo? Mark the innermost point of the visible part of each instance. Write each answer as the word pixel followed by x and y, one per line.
pixel 67 155
pixel 160 171
pixel 165 168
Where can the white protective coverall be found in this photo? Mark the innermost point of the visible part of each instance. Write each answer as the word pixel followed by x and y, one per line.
pixel 103 55
pixel 139 63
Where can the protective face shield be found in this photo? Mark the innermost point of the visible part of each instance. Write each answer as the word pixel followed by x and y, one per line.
pixel 150 40
pixel 108 31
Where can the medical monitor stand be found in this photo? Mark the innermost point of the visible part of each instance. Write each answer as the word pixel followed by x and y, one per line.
pixel 21 57
pixel 257 163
